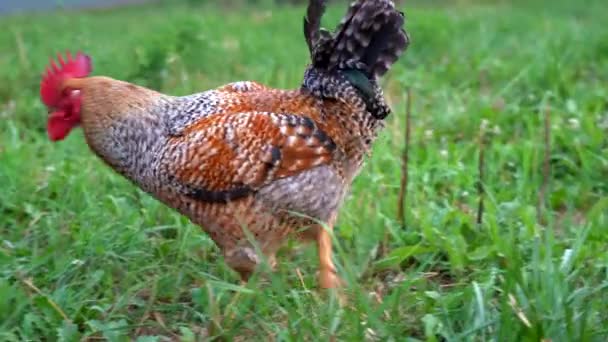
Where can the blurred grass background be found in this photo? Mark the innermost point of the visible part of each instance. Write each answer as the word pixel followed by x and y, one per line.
pixel 85 255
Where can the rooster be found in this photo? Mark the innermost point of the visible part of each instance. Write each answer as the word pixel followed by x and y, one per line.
pixel 250 164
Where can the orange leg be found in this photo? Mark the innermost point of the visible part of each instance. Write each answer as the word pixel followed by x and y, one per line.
pixel 327 271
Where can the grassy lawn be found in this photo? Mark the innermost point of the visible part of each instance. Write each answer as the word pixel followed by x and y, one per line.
pixel 85 255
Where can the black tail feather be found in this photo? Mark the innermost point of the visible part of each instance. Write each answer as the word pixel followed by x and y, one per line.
pixel 312 22
pixel 346 64
pixel 370 37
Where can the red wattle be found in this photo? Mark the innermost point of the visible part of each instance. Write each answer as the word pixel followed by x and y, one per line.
pixel 58 126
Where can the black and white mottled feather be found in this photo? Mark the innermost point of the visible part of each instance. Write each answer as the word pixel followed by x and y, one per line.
pixel 369 38
pixel 368 41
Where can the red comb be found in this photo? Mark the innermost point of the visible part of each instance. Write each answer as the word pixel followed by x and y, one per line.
pixel 79 66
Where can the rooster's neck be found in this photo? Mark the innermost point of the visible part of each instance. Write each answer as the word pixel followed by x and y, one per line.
pixel 131 143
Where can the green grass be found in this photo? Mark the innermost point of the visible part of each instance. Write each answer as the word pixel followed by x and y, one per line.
pixel 78 240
